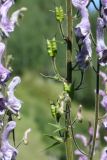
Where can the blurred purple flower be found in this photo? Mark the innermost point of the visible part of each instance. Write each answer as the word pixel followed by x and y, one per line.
pixel 101 47
pixel 80 155
pixel 8 152
pixel 104 154
pixel 105 138
pixel 104 99
pixel 4 73
pixel 7 24
pixel 103 76
pixel 13 104
pixel 82 138
pixel 105 122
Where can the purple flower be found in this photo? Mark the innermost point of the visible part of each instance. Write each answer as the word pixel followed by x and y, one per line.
pixel 79 4
pixel 104 10
pixel 13 104
pixel 84 55
pixel 101 47
pixel 104 154
pixel 104 99
pixel 2 105
pixel 103 76
pixel 4 73
pixel 105 122
pixel 83 28
pixel 7 24
pixel 8 152
pixel 80 155
pixel 82 138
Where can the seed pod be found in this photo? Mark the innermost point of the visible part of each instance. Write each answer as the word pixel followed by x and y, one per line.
pixel 59 13
pixel 49 48
pixel 52 47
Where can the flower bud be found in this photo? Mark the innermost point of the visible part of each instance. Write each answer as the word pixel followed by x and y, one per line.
pixel 25 138
pixel 79 114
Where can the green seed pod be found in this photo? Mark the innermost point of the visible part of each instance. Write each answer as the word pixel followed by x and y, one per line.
pixel 49 47
pixel 69 88
pixel 59 14
pixel 52 47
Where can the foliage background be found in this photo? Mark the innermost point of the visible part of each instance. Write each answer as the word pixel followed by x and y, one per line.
pixel 28 47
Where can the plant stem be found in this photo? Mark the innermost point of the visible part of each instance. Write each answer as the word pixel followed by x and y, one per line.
pixel 68 138
pixel 69 41
pixel 96 111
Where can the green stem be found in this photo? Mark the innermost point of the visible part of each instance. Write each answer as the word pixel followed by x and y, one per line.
pixel 69 41
pixel 68 138
pixel 96 111
pixel 68 146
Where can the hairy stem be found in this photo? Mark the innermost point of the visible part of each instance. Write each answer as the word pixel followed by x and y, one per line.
pixel 96 111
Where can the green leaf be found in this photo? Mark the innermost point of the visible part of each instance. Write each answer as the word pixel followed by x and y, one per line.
pixel 51 146
pixel 55 125
pixel 58 126
pixel 56 138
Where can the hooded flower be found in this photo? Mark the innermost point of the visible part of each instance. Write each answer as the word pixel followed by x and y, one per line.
pixel 83 28
pixel 7 24
pixel 8 152
pixel 13 104
pixel 82 32
pixel 101 47
pixel 84 54
pixel 4 73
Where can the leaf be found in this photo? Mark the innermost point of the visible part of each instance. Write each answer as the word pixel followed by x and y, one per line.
pixel 55 125
pixel 56 138
pixel 51 146
pixel 57 130
pixel 59 127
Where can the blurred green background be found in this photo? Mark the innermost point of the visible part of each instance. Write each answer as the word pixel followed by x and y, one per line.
pixel 28 47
